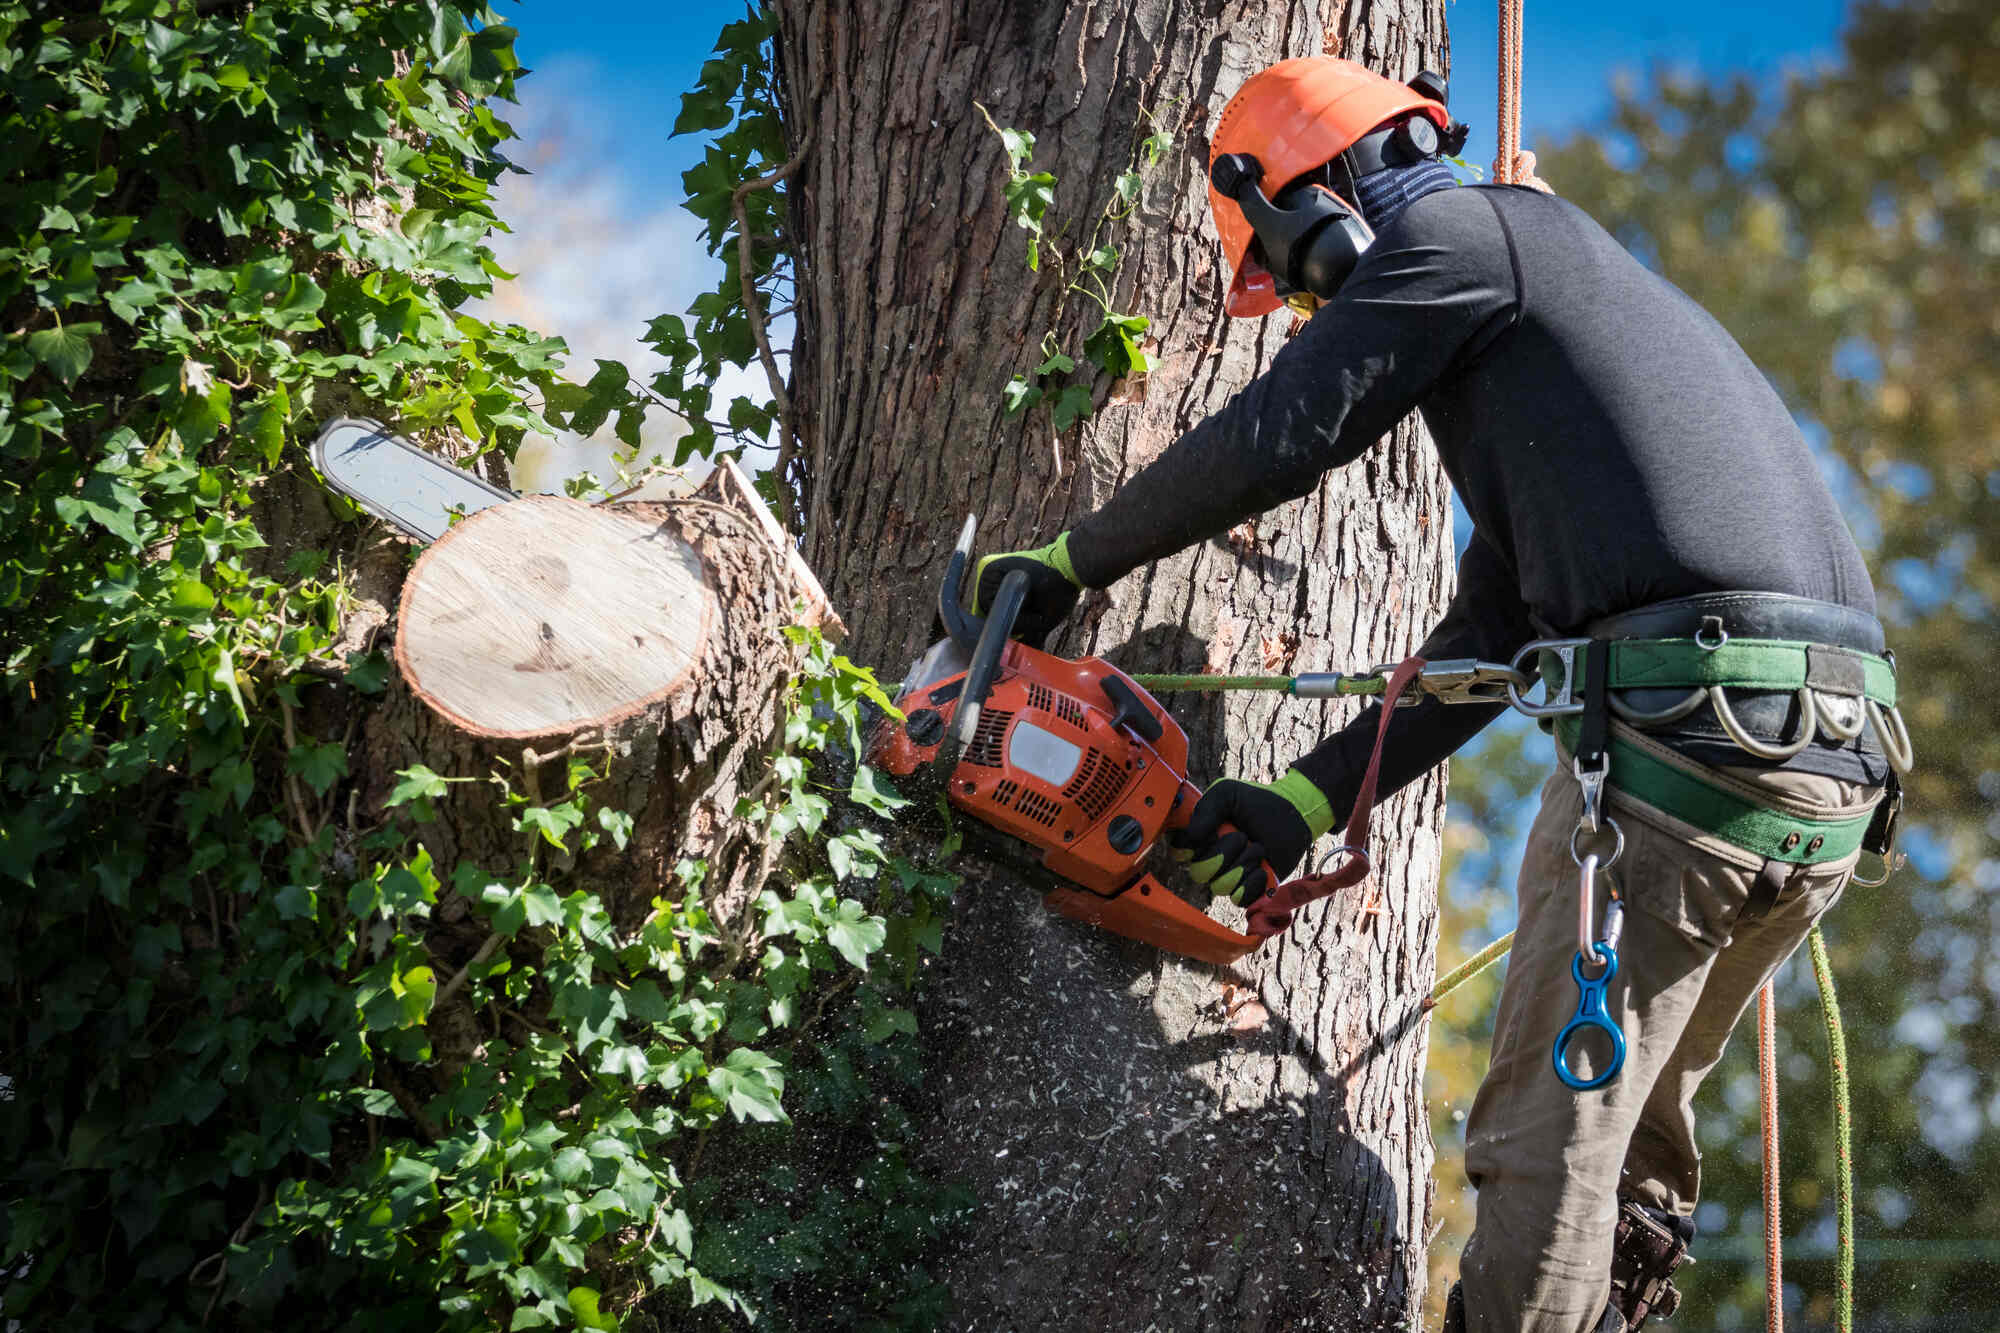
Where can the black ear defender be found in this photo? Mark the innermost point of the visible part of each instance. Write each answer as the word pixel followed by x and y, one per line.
pixel 1431 84
pixel 1312 240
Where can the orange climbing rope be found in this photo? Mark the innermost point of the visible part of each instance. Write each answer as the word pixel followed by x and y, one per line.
pixel 1508 142
pixel 1511 166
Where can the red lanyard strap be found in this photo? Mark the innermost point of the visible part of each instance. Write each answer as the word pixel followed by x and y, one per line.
pixel 1273 912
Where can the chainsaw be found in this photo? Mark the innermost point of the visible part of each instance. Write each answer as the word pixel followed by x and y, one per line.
pixel 1074 759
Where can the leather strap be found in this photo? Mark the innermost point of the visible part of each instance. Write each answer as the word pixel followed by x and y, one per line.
pixel 1272 913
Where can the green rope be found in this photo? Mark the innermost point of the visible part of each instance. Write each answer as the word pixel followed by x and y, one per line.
pixel 1469 969
pixel 1203 683
pixel 1836 1040
pixel 1843 1127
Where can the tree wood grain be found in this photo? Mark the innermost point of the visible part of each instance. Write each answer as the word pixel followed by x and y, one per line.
pixel 1144 1153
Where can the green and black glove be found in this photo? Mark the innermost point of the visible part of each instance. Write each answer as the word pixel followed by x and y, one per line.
pixel 1275 822
pixel 1053 587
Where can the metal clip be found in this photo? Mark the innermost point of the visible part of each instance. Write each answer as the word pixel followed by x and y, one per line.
pixel 1467 680
pixel 1592 781
pixel 1560 699
pixel 1408 698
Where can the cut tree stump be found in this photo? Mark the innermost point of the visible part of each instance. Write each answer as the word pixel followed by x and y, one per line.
pixel 544 616
pixel 644 638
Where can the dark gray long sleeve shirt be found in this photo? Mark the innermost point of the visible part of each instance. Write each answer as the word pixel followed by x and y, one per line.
pixel 1612 443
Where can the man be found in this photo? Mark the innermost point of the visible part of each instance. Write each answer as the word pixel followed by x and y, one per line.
pixel 1633 481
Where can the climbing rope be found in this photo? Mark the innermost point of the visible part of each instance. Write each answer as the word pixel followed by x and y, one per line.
pixel 1469 969
pixel 1836 1042
pixel 1507 144
pixel 1767 1064
pixel 1767 1082
pixel 1511 166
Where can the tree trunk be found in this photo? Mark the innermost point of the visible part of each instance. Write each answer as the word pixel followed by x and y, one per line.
pixel 1150 1144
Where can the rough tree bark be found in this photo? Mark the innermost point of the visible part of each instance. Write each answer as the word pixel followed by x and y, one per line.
pixel 1151 1146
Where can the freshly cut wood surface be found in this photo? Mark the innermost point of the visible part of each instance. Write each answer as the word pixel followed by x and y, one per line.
pixel 545 615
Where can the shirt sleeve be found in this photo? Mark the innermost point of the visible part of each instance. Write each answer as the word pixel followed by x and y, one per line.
pixel 1435 287
pixel 1486 619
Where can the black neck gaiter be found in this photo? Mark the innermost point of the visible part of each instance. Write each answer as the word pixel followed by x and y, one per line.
pixel 1387 192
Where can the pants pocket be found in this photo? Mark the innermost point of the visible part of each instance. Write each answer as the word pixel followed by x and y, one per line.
pixel 1697 894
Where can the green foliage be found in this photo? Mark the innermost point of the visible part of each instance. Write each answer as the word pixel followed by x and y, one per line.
pixel 737 103
pixel 267 1065
pixel 1116 346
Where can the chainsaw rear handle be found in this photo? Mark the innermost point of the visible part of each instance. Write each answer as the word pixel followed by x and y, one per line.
pixel 1183 811
pixel 999 623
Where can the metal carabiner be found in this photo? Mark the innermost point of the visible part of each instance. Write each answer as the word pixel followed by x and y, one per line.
pixel 1561 699
pixel 1591 1013
pixel 1467 680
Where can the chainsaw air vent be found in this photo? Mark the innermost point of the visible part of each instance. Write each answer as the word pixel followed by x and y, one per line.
pixel 985 749
pixel 1064 707
pixel 1004 793
pixel 1037 806
pixel 1096 784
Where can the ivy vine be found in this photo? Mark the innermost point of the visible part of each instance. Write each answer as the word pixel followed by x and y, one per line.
pixel 224 1105
pixel 1116 345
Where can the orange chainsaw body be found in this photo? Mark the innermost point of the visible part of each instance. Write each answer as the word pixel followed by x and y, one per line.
pixel 1076 760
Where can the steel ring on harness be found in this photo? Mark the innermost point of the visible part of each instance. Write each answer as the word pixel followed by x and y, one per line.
pixel 1671 713
pixel 1895 740
pixel 1808 726
pixel 1617 848
pixel 1358 854
pixel 1830 708
pixel 1890 865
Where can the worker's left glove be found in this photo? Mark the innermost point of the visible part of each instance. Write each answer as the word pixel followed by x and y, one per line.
pixel 1053 587
pixel 1275 823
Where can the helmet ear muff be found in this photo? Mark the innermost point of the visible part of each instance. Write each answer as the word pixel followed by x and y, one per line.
pixel 1311 237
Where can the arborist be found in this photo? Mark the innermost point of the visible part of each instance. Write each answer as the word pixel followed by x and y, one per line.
pixel 1643 509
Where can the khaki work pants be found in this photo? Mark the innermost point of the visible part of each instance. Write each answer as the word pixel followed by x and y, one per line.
pixel 1550 1164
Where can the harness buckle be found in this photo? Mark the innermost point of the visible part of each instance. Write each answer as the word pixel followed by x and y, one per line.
pixel 1468 680
pixel 1559 699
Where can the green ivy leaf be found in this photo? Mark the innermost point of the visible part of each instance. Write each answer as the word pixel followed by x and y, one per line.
pixel 872 790
pixel 552 822
pixel 369 673
pixel 1019 395
pixel 190 598
pixel 583 1309
pixel 1073 406
pixel 65 351
pixel 750 1083
pixel 319 765
pixel 418 783
pixel 855 933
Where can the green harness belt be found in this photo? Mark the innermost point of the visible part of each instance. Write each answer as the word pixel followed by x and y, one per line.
pixel 1757 664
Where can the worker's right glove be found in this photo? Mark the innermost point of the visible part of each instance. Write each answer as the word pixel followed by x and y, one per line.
pixel 1053 587
pixel 1275 823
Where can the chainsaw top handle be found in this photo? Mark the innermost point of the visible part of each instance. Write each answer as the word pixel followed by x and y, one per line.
pixel 964 627
pixel 986 653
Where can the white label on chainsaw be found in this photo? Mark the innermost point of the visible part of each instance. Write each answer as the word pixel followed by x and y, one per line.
pixel 1043 754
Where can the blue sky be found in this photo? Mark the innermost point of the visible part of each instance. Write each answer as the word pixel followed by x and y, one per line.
pixel 602 245
pixel 640 57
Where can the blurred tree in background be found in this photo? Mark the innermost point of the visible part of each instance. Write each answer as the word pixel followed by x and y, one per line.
pixel 1843 229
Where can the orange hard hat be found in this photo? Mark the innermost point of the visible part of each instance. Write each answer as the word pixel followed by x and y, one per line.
pixel 1293 117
